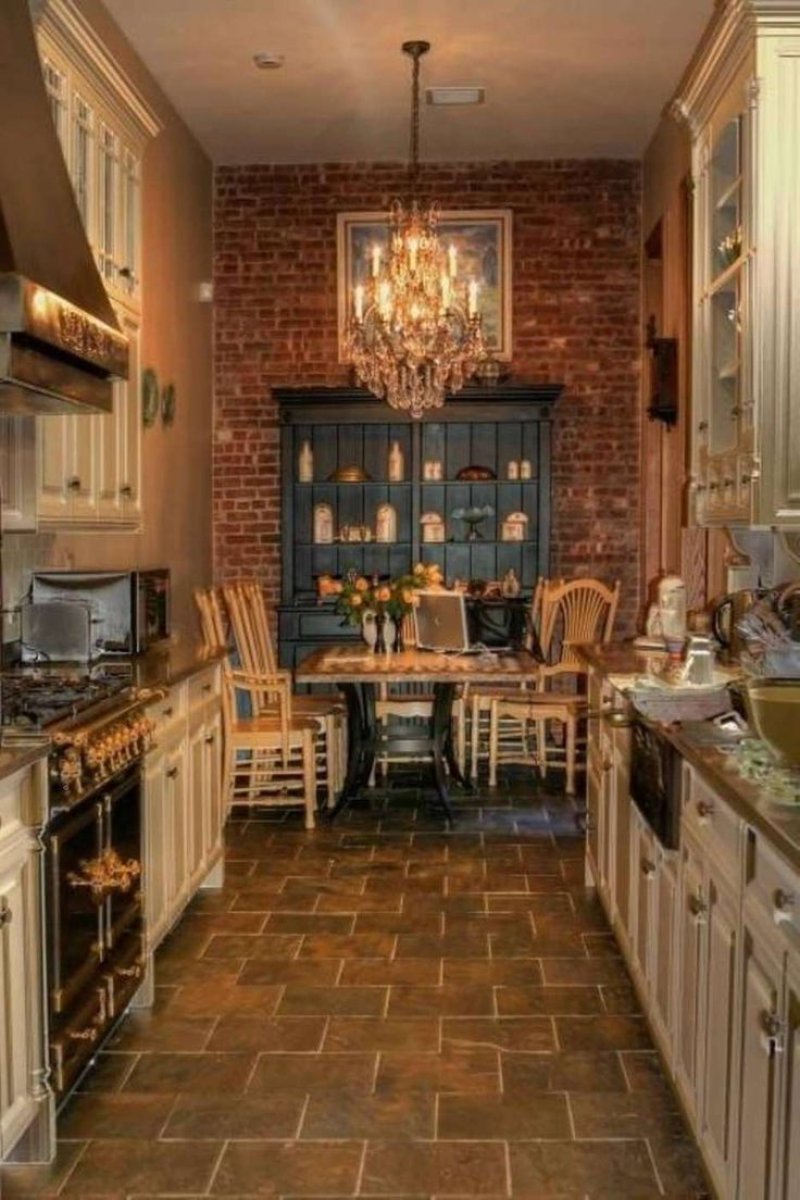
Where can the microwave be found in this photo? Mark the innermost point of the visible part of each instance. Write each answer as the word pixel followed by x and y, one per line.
pixel 126 612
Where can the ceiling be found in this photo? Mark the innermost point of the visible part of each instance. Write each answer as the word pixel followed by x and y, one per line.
pixel 563 78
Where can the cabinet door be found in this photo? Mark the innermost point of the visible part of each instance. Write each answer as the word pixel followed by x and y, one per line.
pixel 15 1033
pixel 109 448
pixel 82 468
pixel 762 975
pixel 663 966
pixel 18 473
pixel 157 845
pixel 789 1154
pixel 128 405
pixel 594 787
pixel 690 930
pixel 721 1014
pixel 175 807
pixel 53 434
pixel 197 815
pixel 212 743
pixel 622 832
pixel 645 866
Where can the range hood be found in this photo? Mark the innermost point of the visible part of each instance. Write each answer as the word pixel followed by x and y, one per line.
pixel 60 344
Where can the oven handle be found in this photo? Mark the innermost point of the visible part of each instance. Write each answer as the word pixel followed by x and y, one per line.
pixel 106 874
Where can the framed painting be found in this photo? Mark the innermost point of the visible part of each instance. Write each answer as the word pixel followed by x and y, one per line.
pixel 482 239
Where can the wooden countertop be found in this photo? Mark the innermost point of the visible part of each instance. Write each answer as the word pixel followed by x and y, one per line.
pixel 621 663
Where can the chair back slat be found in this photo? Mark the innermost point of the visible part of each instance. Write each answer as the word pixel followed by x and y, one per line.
pixel 574 612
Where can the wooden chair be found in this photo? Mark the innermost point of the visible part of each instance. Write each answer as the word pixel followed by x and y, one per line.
pixel 269 755
pixel 251 620
pixel 479 699
pixel 572 613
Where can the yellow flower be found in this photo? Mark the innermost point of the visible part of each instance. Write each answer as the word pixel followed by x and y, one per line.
pixel 355 600
pixel 384 593
pixel 361 584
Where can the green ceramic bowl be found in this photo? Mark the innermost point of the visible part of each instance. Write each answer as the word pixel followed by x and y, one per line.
pixel 773 710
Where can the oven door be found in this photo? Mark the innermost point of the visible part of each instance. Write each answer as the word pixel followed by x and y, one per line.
pixel 76 917
pixel 655 783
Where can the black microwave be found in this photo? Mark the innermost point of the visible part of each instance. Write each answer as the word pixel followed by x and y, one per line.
pixel 128 611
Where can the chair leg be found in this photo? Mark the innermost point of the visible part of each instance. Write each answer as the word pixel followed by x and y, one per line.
pixel 541 746
pixel 461 736
pixel 474 734
pixel 570 753
pixel 309 778
pixel 494 724
pixel 331 769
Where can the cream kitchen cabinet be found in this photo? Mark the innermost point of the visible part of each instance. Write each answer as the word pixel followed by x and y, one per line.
pixel 740 100
pixel 26 1106
pixel 183 802
pixel 89 466
pixel 18 473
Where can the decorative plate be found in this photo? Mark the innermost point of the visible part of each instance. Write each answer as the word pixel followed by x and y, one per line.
pixel 475 474
pixel 151 397
pixel 168 403
pixel 350 474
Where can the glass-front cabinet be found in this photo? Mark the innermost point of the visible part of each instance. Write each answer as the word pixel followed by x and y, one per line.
pixel 366 489
pixel 741 101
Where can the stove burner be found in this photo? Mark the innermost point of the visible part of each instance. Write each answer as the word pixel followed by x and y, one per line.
pixel 33 700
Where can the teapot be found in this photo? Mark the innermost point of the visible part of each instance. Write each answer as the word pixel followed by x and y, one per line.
pixel 727 614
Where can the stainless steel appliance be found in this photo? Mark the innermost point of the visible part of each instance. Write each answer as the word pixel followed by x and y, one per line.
pixel 55 631
pixel 60 343
pixel 93 850
pixel 129 611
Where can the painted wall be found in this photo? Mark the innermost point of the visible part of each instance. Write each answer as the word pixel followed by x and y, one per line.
pixel 176 341
pixel 576 310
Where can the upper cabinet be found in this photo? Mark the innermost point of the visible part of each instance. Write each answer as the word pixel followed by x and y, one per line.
pixel 741 98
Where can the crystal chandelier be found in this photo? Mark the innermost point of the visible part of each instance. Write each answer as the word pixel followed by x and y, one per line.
pixel 414 331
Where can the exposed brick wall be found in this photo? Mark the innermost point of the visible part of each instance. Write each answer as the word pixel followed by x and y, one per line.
pixel 575 321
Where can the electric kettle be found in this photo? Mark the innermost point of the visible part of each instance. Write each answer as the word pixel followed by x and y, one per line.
pixel 728 613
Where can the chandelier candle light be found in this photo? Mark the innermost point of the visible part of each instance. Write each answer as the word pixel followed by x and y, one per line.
pixel 415 332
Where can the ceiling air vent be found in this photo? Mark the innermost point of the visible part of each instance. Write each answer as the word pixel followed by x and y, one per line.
pixel 455 95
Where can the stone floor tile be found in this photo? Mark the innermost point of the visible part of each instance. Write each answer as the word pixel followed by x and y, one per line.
pixel 206 1000
pixel 429 923
pixel 449 1000
pixel 143 1030
pixel 190 1073
pixel 525 1075
pixel 24 1182
pixel 303 1073
pixel 212 971
pixel 621 1116
pixel 420 945
pixel 424 971
pixel 584 971
pixel 359 904
pixel 109 1073
pixel 309 923
pixel 620 998
pixel 289 1169
pixel 501 1033
pixel 413 1034
pixel 327 1001
pixel 498 971
pixel 519 1001
pixel 620 1168
pixel 257 945
pixel 343 1114
pixel 603 1032
pixel 319 972
pixel 438 1168
pixel 261 1034
pixel 249 1117
pixel 120 1115
pixel 456 1069
pixel 356 945
pixel 204 924
pixel 116 1167
pixel 475 1117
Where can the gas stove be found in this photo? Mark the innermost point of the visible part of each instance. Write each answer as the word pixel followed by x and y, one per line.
pixel 96 722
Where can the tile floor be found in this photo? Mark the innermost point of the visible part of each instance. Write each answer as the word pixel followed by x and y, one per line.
pixel 384 1009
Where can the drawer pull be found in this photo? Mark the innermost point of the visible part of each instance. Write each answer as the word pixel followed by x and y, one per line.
pixel 172 773
pixel 207 687
pixel 698 909
pixel 210 740
pixel 74 484
pixel 648 869
pixel 134 972
pixel 784 906
pixel 167 712
pixel 89 1034
pixel 607 764
pixel 704 810
pixel 5 913
pixel 772 1032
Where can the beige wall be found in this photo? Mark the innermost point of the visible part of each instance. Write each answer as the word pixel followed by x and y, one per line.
pixel 176 341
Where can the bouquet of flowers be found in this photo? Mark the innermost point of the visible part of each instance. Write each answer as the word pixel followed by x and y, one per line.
pixel 394 598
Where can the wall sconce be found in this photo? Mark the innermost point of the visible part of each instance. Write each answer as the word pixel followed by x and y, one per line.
pixel 663 376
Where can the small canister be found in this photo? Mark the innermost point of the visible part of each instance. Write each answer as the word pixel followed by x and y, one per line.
pixel 525 469
pixel 512 470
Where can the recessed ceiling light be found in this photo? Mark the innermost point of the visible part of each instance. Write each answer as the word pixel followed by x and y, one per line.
pixel 455 95
pixel 266 60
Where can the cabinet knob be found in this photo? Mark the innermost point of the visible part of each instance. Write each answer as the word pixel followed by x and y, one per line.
pixel 5 913
pixel 772 1032
pixel 705 811
pixel 207 687
pixel 210 740
pixel 126 490
pixel 702 426
pixel 746 478
pixel 74 484
pixel 167 712
pixel 648 868
pixel 784 905
pixel 736 410
pixel 608 763
pixel 172 773
pixel 698 909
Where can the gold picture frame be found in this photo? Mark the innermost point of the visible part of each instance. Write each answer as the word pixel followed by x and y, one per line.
pixel 482 237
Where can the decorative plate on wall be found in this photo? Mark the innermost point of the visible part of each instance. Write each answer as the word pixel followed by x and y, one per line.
pixel 168 403
pixel 151 397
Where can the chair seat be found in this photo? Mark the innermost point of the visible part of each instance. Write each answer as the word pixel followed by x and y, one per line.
pixel 317 706
pixel 247 727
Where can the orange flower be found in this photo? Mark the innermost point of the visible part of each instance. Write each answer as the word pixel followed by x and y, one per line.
pixel 361 584
pixel 384 593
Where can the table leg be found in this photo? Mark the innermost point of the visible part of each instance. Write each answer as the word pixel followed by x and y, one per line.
pixel 361 733
pixel 443 694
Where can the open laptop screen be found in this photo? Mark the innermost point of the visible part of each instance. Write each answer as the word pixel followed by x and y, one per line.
pixel 440 621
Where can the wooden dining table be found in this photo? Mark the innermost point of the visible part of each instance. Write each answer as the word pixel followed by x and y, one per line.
pixel 358 671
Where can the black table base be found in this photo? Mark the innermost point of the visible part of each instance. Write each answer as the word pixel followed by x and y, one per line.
pixel 365 738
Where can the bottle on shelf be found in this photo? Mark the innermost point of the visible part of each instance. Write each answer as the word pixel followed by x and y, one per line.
pixel 305 463
pixel 396 463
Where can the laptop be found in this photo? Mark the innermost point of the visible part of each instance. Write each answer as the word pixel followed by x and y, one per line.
pixel 440 623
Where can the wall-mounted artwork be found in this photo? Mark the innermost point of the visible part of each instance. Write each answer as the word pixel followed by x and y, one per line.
pixel 482 241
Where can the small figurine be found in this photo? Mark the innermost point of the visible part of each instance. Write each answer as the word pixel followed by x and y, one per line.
pixel 386 524
pixel 510 586
pixel 323 524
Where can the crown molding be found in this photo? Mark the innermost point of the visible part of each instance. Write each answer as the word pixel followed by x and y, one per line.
pixel 69 30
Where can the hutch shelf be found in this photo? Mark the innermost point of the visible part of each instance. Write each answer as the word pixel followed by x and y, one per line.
pixel 349 428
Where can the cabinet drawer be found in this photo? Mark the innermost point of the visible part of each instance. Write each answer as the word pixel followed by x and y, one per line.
pixel 714 826
pixel 773 883
pixel 169 710
pixel 203 687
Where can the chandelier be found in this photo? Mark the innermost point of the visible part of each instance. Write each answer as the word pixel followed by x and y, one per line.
pixel 414 331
